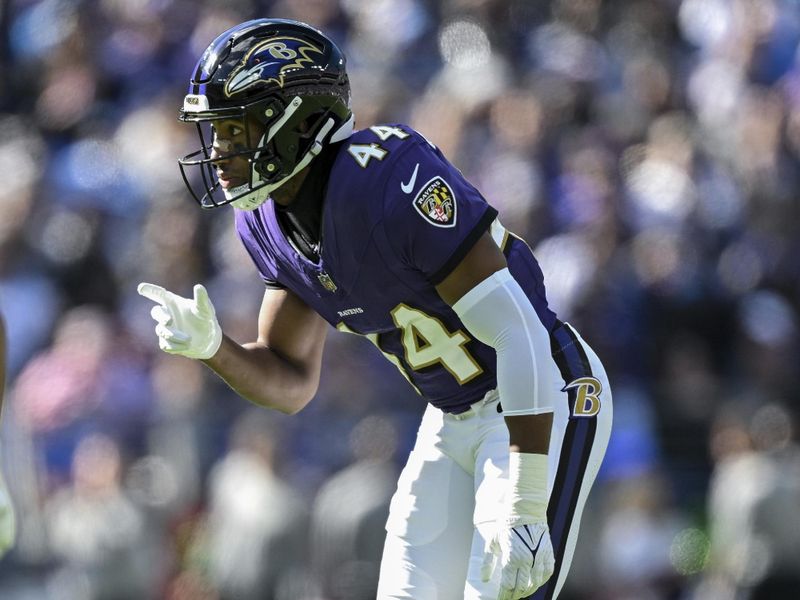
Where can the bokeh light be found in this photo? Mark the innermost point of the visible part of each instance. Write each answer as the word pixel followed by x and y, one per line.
pixel 464 45
pixel 689 551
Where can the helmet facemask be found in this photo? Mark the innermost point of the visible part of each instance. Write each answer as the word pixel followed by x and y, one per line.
pixel 283 135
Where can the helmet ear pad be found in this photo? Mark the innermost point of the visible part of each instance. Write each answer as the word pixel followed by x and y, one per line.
pixel 283 145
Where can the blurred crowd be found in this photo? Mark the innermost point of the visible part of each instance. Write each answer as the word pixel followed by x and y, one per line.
pixel 648 150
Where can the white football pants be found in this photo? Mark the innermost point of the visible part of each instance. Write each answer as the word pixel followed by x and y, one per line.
pixel 453 485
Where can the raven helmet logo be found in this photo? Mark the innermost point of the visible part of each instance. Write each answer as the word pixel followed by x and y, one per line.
pixel 436 202
pixel 269 61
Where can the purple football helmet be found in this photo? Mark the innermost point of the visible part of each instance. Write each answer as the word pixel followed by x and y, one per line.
pixel 284 76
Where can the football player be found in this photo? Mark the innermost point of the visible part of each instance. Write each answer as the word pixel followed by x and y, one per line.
pixel 375 233
pixel 8 524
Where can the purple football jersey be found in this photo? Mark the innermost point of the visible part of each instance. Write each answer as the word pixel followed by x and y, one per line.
pixel 397 218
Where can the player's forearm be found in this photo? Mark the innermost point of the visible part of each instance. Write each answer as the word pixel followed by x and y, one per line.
pixel 530 433
pixel 262 376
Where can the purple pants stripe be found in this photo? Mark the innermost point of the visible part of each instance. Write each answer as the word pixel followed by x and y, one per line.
pixel 575 452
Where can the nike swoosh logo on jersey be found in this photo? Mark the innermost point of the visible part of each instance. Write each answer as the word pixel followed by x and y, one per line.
pixel 409 187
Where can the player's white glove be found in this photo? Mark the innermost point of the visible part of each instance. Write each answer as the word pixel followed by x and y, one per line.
pixel 521 547
pixel 525 556
pixel 8 522
pixel 186 326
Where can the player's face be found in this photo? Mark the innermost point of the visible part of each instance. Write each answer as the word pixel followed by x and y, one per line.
pixel 230 140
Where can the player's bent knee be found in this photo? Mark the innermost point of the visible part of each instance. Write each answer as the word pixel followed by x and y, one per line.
pixel 401 577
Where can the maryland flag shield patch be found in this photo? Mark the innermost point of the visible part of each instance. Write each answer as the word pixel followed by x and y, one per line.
pixel 437 203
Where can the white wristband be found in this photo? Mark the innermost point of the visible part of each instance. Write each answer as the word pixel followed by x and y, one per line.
pixel 527 478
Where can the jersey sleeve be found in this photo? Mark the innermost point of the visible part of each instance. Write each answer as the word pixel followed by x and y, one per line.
pixel 432 215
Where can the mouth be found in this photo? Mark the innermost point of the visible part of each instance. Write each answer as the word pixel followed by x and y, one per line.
pixel 229 180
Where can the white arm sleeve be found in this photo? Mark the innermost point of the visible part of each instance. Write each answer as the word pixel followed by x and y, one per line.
pixel 497 312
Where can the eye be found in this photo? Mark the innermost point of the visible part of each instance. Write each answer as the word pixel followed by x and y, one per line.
pixel 236 130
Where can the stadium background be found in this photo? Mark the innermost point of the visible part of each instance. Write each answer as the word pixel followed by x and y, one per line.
pixel 647 149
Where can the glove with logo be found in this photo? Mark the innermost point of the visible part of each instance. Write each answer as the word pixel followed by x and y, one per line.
pixel 185 326
pixel 8 522
pixel 521 547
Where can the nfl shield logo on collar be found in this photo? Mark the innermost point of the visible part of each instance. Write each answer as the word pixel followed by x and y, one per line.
pixel 326 282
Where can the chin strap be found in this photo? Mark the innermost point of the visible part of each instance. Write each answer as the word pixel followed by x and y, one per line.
pixel 259 195
pixel 345 131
